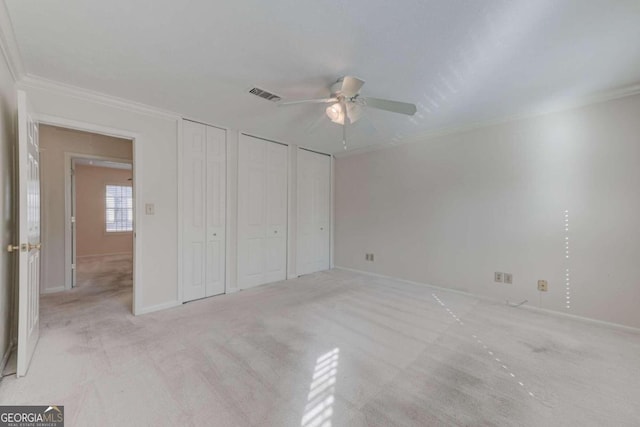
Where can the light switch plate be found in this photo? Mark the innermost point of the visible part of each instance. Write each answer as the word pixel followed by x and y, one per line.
pixel 149 209
pixel 508 278
pixel 497 277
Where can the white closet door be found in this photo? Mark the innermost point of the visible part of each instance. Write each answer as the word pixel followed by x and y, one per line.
pixel 262 212
pixel 204 207
pixel 314 212
pixel 276 235
pixel 305 217
pixel 194 210
pixel 216 210
pixel 252 163
pixel 323 211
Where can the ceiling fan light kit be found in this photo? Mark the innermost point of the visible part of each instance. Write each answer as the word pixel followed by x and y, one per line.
pixel 335 113
pixel 347 105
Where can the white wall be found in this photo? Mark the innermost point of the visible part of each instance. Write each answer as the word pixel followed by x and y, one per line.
pixel 156 158
pixel 54 143
pixel 8 108
pixel 452 210
pixel 155 154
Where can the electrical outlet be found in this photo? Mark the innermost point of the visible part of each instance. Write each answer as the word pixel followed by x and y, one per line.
pixel 508 278
pixel 497 277
pixel 542 286
pixel 149 209
pixel 366 257
pixel 370 257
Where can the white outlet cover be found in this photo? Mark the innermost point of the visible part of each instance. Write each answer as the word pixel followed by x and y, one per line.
pixel 543 286
pixel 497 277
pixel 149 209
pixel 508 278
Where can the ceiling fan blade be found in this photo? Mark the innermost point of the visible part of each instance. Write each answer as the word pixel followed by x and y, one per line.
pixel 354 111
pixel 388 105
pixel 309 101
pixel 351 86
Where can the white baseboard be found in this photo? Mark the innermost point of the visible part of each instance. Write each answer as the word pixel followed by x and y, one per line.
pixel 493 300
pixel 53 290
pixel 411 282
pixel 582 318
pixel 158 307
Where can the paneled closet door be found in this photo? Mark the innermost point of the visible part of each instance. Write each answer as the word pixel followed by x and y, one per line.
pixel 314 212
pixel 194 210
pixel 216 210
pixel 276 235
pixel 262 212
pixel 322 203
pixel 204 208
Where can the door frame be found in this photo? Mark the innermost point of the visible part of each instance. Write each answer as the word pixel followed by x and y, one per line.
pixel 69 207
pixel 136 167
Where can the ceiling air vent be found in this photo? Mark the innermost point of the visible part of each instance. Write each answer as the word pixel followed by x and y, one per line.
pixel 264 94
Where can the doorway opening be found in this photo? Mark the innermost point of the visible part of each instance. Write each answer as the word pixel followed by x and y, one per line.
pixel 102 227
pixel 88 215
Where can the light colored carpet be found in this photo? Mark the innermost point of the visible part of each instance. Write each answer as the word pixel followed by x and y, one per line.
pixel 330 349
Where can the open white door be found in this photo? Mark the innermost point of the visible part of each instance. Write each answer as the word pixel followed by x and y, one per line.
pixel 29 235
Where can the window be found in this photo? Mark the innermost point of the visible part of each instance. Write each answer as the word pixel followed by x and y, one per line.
pixel 118 208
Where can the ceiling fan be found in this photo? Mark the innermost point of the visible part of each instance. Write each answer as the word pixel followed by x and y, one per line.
pixel 347 106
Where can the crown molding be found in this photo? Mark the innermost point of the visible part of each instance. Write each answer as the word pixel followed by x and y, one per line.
pixel 8 44
pixel 11 52
pixel 467 127
pixel 31 81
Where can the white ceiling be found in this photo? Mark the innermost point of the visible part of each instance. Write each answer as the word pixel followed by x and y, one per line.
pixel 460 61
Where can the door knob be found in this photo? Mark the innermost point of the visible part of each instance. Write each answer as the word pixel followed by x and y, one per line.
pixel 14 248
